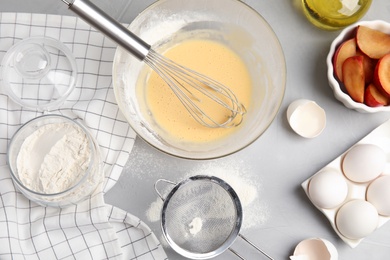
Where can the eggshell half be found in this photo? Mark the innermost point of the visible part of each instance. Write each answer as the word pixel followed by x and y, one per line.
pixel 315 249
pixel 306 118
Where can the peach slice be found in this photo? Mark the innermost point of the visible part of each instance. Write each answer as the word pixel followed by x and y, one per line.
pixel 345 50
pixel 368 66
pixel 374 98
pixel 353 77
pixel 382 74
pixel 375 44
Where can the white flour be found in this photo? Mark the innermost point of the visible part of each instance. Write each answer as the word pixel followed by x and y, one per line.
pixel 195 226
pixel 53 158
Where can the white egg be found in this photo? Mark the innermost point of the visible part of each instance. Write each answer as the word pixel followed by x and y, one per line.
pixel 328 189
pixel 364 163
pixel 378 193
pixel 356 219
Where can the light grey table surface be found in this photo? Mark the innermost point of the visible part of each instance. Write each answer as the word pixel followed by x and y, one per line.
pixel 279 161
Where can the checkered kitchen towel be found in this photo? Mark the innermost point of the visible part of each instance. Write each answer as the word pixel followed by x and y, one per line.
pixel 91 229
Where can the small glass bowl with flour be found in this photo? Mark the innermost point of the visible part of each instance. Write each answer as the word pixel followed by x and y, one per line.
pixel 54 161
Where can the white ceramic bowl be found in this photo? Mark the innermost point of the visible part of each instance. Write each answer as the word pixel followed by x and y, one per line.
pixel 237 26
pixel 77 190
pixel 338 89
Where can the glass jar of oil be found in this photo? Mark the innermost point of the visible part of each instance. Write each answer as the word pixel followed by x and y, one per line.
pixel 334 14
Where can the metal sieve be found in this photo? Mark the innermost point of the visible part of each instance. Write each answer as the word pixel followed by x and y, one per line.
pixel 201 217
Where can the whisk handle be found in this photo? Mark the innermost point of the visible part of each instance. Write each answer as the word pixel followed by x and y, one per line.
pixel 104 23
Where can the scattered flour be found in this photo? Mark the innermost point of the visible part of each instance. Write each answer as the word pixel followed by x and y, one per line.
pixel 53 158
pixel 154 211
pixel 239 177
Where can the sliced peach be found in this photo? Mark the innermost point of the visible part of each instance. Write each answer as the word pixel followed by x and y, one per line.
pixel 368 66
pixel 353 77
pixel 375 44
pixel 382 74
pixel 374 98
pixel 345 50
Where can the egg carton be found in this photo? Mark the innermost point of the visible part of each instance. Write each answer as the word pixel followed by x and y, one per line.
pixel 379 137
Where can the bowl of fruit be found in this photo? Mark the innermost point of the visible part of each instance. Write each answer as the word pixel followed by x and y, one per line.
pixel 359 66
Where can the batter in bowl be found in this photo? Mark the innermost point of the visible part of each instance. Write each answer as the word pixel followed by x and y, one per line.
pixel 212 59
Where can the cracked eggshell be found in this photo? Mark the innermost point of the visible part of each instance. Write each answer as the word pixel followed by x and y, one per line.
pixel 315 249
pixel 306 118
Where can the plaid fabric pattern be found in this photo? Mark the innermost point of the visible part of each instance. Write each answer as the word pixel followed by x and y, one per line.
pixel 91 229
pixel 92 100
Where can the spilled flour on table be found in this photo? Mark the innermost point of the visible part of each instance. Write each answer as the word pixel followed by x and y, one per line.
pixel 240 178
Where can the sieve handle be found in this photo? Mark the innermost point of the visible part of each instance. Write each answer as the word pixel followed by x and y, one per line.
pixel 253 245
pixel 162 180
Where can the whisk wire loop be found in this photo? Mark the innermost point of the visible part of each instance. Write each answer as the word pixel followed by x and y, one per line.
pixel 192 88
pixel 181 80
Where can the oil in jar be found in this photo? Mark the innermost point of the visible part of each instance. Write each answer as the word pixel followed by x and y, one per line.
pixel 334 14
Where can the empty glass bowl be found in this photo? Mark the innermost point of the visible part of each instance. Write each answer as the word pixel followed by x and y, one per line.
pixel 39 73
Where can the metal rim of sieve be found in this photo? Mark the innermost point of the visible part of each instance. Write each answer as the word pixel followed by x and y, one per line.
pixel 229 239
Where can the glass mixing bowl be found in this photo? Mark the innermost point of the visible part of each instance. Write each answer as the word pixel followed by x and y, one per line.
pixel 78 189
pixel 230 22
pixel 38 73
